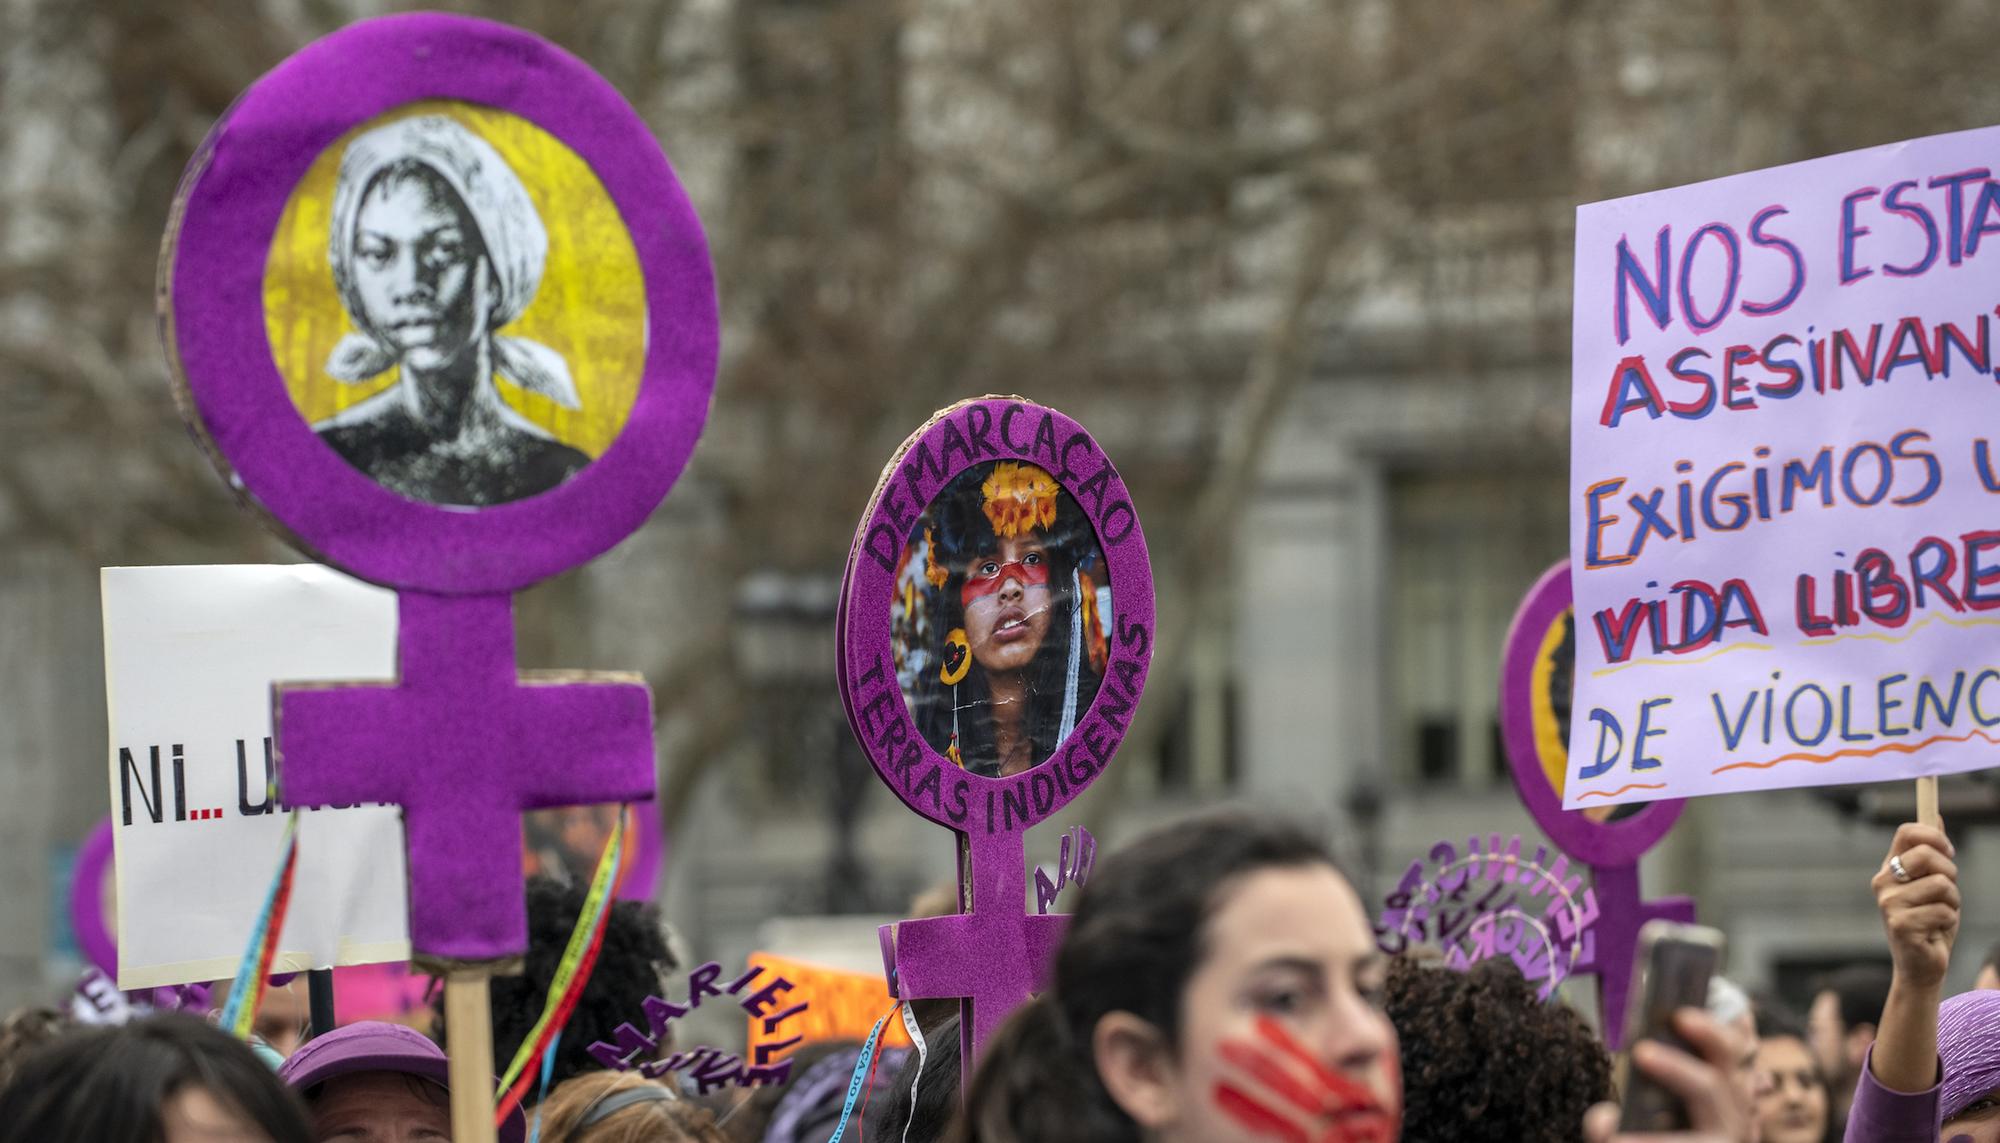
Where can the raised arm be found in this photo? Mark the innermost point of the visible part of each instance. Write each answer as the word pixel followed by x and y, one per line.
pixel 1917 890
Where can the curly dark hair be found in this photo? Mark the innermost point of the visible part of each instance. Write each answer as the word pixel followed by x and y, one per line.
pixel 1484 1058
pixel 632 965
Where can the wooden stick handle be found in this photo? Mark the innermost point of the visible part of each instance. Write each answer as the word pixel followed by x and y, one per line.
pixel 1927 803
pixel 468 1021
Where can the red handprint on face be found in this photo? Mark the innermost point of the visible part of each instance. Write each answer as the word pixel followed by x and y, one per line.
pixel 1283 1092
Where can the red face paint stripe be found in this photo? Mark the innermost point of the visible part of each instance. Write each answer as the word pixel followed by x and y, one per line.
pixel 1349 1093
pixel 1267 1071
pixel 1254 1116
pixel 1030 575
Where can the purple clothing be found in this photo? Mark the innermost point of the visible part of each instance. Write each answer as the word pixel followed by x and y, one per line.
pixel 1880 1115
pixel 1969 1044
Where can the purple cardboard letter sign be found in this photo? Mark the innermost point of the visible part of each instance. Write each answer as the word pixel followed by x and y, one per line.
pixel 1534 710
pixel 1488 904
pixel 439 309
pixel 994 632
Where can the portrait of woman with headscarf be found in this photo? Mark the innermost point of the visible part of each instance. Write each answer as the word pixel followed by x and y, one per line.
pixel 435 248
pixel 1009 650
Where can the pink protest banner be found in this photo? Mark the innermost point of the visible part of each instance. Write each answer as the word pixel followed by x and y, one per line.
pixel 1782 487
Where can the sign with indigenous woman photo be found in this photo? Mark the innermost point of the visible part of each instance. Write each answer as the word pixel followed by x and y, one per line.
pixel 1783 492
pixel 999 618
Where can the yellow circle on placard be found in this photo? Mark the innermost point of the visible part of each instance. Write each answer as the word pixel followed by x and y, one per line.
pixel 1549 744
pixel 590 308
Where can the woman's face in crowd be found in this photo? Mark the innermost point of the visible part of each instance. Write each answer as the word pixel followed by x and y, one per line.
pixel 281 1020
pixel 1826 1034
pixel 1978 1123
pixel 380 1107
pixel 194 1115
pixel 1282 1023
pixel 1006 597
pixel 414 254
pixel 1791 1098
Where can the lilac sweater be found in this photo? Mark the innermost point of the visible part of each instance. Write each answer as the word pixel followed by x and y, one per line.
pixel 1880 1115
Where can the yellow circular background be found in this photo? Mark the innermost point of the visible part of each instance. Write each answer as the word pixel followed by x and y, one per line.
pixel 591 307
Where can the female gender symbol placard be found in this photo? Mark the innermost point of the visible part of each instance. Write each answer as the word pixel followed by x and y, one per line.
pixel 1534 716
pixel 994 632
pixel 439 309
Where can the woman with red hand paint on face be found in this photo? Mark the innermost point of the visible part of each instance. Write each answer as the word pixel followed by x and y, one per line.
pixel 1218 981
pixel 1010 648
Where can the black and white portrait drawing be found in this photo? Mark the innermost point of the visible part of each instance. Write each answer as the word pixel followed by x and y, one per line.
pixel 435 248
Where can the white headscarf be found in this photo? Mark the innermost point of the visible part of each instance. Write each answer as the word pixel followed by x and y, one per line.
pixel 516 246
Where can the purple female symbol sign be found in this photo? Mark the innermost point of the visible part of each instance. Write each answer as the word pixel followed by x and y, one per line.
pixel 440 311
pixel 1534 724
pixel 994 633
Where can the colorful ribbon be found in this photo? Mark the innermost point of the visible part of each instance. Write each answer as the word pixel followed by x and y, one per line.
pixel 253 975
pixel 916 1032
pixel 864 1070
pixel 572 971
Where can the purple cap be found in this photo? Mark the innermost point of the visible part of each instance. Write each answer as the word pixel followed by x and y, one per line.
pixel 378 1046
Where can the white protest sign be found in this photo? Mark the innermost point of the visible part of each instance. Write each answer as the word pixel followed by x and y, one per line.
pixel 190 654
pixel 1783 496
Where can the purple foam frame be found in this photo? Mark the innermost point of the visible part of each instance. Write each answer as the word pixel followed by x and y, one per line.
pixel 458 708
pixel 86 901
pixel 235 191
pixel 1611 849
pixel 992 954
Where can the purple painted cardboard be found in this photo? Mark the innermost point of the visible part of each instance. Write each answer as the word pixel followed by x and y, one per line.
pixel 993 954
pixel 1595 843
pixel 1450 897
pixel 213 267
pixel 632 1048
pixel 86 900
pixel 461 742
pixel 1611 849
pixel 464 745
pixel 972 432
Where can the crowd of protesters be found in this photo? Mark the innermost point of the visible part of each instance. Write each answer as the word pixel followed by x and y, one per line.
pixel 1219 981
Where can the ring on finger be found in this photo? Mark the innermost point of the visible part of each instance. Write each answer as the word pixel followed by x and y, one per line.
pixel 1896 869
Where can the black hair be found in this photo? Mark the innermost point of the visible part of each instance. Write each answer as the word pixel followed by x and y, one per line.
pixel 1862 989
pixel 1484 1058
pixel 632 964
pixel 808 1104
pixel 23 1032
pixel 114 1083
pixel 1773 1020
pixel 1135 940
pixel 960 532
pixel 922 1115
